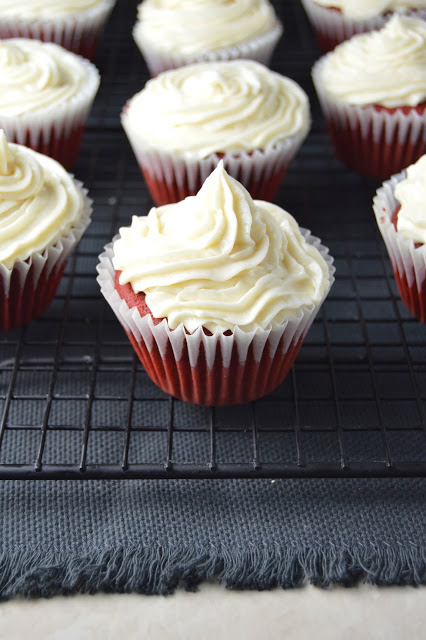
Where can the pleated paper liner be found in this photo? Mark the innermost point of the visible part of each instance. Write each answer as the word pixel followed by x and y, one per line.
pixel 211 369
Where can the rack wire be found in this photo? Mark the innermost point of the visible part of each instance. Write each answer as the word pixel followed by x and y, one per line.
pixel 76 403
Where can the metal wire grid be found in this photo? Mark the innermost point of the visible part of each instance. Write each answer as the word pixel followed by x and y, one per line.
pixel 76 403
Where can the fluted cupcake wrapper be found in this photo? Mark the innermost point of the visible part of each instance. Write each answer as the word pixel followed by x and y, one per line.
pixel 373 141
pixel 56 131
pixel 28 287
pixel 216 369
pixel 331 27
pixel 78 33
pixel 259 48
pixel 408 261
pixel 172 178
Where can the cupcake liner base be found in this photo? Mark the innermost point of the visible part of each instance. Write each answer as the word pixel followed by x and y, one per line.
pixel 215 369
pixel 63 146
pixel 408 260
pixel 218 386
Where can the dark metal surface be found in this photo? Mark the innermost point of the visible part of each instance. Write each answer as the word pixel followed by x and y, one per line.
pixel 75 403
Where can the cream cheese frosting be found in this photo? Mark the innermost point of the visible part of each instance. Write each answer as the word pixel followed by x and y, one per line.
pixel 38 76
pixel 39 202
pixel 411 194
pixel 364 9
pixel 50 9
pixel 193 27
pixel 386 67
pixel 204 108
pixel 220 260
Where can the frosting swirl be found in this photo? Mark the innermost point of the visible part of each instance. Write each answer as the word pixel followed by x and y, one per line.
pixel 364 9
pixel 39 202
pixel 386 67
pixel 35 75
pixel 220 259
pixel 217 107
pixel 35 9
pixel 411 194
pixel 196 26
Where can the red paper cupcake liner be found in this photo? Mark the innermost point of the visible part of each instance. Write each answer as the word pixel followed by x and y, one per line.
pixel 259 187
pixel 371 153
pixel 63 146
pixel 209 369
pixel 28 297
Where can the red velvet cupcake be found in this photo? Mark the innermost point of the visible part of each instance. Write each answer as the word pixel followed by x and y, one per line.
pixel 46 94
pixel 400 209
pixel 44 213
pixel 74 25
pixel 216 293
pixel 186 120
pixel 372 91
pixel 335 21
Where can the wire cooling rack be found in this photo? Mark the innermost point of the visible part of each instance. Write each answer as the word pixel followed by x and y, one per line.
pixel 75 402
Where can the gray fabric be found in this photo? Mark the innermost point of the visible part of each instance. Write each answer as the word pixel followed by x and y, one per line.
pixel 151 536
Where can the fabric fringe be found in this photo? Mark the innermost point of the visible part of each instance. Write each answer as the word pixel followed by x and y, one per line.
pixel 160 569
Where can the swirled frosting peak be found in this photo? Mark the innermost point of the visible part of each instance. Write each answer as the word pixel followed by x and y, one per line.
pixel 217 107
pixel 37 75
pixel 220 259
pixel 411 194
pixel 192 27
pixel 39 202
pixel 364 9
pixel 386 67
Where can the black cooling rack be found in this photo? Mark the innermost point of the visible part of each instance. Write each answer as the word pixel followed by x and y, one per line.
pixel 75 403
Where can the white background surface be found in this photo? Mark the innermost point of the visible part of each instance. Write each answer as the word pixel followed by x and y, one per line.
pixel 213 613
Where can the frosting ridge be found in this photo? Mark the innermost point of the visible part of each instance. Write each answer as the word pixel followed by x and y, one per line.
pixel 386 67
pixel 220 259
pixel 191 27
pixel 411 194
pixel 238 106
pixel 39 202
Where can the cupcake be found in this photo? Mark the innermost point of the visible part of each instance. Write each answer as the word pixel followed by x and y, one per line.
pixel 216 293
pixel 372 91
pixel 43 214
pixel 74 24
pixel 46 94
pixel 400 209
pixel 185 120
pixel 334 21
pixel 172 34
